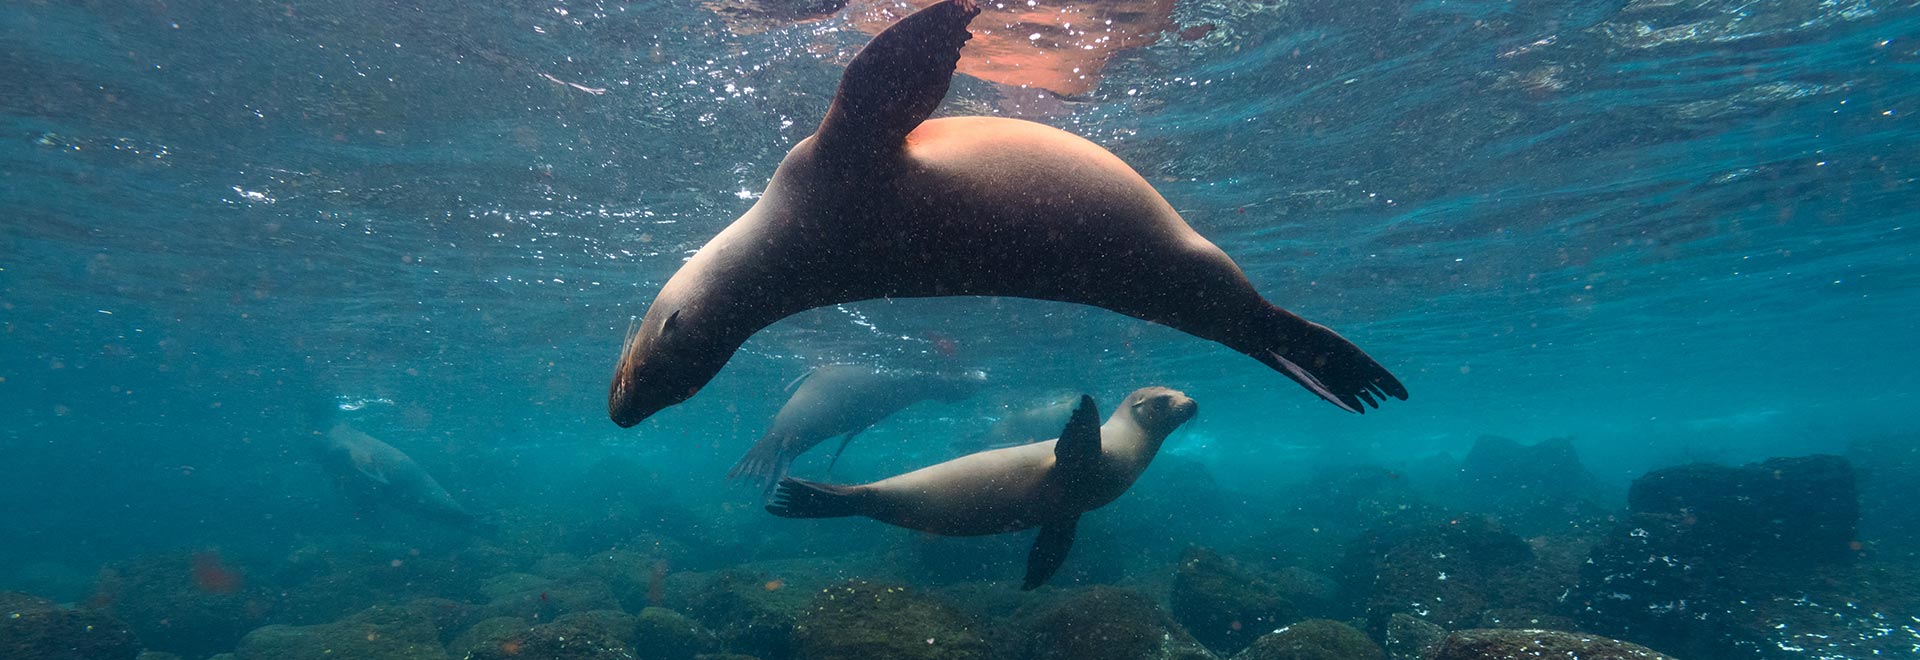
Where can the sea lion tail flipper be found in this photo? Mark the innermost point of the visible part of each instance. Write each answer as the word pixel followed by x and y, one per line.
pixel 1049 552
pixel 799 498
pixel 1325 363
pixel 765 463
pixel 897 80
pixel 842 449
pixel 1079 447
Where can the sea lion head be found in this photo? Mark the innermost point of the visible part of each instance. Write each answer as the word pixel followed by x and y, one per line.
pixel 1159 410
pixel 665 361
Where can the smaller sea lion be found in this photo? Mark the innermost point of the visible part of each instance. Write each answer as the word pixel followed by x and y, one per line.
pixel 371 473
pixel 843 400
pixel 1044 484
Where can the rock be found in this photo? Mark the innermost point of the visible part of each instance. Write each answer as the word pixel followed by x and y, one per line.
pixel 159 655
pixel 377 633
pixel 1445 569
pixel 1538 645
pixel 595 635
pixel 1706 547
pixel 1111 624
pixel 723 656
pixel 191 604
pixel 668 635
pixel 488 631
pixel 541 599
pixel 750 612
pixel 1888 468
pixel 1784 511
pixel 861 619
pixel 448 616
pixel 1529 488
pixel 33 628
pixel 1412 638
pixel 1313 639
pixel 1522 619
pixel 1223 604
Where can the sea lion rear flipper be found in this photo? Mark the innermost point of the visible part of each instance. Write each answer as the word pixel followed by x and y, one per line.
pixel 1049 552
pixel 765 463
pixel 1078 449
pixel 799 498
pixel 1325 363
pixel 842 449
pixel 896 81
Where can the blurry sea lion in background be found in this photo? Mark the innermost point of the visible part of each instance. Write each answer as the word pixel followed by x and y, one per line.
pixel 843 400
pixel 882 203
pixel 1044 484
pixel 371 474
pixel 1022 426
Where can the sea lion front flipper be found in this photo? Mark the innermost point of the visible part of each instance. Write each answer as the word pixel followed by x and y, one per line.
pixel 842 449
pixel 1328 365
pixel 1049 552
pixel 1078 450
pixel 896 81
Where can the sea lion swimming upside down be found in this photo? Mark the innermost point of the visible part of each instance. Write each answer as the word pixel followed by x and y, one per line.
pixel 883 203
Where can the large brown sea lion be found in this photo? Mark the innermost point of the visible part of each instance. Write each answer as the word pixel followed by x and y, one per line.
pixel 843 400
pixel 881 203
pixel 1044 484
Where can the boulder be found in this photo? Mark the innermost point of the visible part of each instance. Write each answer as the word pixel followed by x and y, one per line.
pixel 1111 624
pixel 862 619
pixel 1791 512
pixel 377 633
pixel 1411 638
pixel 1510 644
pixel 193 604
pixel 1447 569
pixel 593 635
pixel 668 635
pixel 33 628
pixel 1313 639
pixel 1226 605
pixel 1530 488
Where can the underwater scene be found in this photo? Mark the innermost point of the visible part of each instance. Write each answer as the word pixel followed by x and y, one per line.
pixel 959 329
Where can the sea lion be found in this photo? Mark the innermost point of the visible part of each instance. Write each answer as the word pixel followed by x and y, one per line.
pixel 843 400
pixel 371 473
pixel 880 203
pixel 1019 427
pixel 1044 484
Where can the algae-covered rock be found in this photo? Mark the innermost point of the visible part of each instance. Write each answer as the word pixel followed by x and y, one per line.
pixel 1313 639
pixel 1111 624
pixel 596 635
pixel 1482 644
pixel 193 604
pixel 750 612
pixel 1223 604
pixel 668 635
pixel 541 599
pixel 487 631
pixel 157 655
pixel 1447 569
pixel 862 619
pixel 377 633
pixel 33 628
pixel 1412 638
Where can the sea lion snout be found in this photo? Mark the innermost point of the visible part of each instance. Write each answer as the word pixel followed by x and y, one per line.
pixel 1161 407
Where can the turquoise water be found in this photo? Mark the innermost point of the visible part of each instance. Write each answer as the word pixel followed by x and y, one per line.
pixel 1672 232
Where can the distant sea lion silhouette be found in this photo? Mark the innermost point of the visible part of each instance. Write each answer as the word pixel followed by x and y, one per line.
pixel 881 203
pixel 1024 425
pixel 1044 484
pixel 371 473
pixel 843 400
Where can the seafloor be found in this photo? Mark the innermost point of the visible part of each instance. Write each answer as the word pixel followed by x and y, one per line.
pixel 1512 551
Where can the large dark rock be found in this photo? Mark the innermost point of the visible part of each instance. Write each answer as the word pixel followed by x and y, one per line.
pixel 1111 624
pixel 1705 549
pixel 378 633
pixel 1226 605
pixel 33 628
pixel 1534 488
pixel 1784 511
pixel 752 613
pixel 1538 645
pixel 191 604
pixel 1447 569
pixel 668 635
pixel 596 635
pixel 862 619
pixel 1313 639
